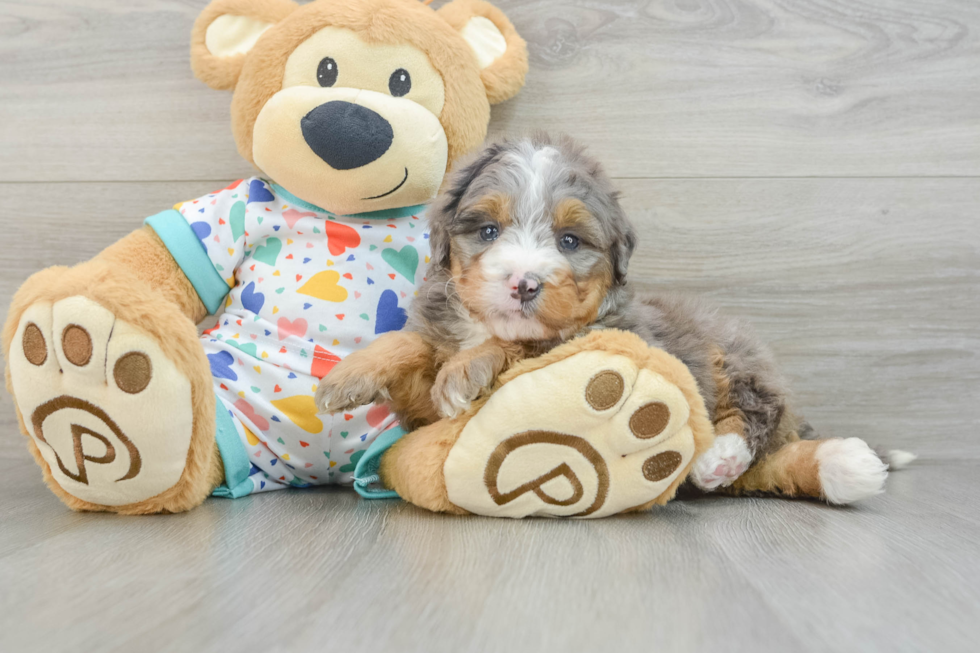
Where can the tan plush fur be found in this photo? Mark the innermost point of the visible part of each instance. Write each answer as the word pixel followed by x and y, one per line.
pixel 466 111
pixel 505 76
pixel 222 73
pixel 139 282
pixel 413 466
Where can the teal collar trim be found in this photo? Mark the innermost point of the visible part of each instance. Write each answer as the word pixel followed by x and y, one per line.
pixel 384 214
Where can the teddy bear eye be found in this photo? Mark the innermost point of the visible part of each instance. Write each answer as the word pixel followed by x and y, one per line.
pixel 400 82
pixel 326 72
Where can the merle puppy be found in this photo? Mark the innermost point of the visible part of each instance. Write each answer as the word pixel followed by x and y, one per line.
pixel 530 248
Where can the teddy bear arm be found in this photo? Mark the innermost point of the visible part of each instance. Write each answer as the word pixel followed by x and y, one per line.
pixel 143 256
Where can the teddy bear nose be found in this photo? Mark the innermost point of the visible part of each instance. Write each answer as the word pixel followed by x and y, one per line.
pixel 346 135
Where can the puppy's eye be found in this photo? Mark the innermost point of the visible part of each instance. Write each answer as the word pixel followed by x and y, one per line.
pixel 568 242
pixel 326 72
pixel 400 82
pixel 489 232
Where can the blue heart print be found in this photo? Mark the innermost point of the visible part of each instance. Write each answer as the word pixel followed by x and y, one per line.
pixel 251 300
pixel 202 230
pixel 391 316
pixel 221 366
pixel 257 192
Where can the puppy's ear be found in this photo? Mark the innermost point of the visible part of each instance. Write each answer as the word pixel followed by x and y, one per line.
pixel 500 52
pixel 622 250
pixel 442 213
pixel 224 33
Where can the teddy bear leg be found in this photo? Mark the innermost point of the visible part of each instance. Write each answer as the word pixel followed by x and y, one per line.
pixel 413 467
pixel 113 391
pixel 599 426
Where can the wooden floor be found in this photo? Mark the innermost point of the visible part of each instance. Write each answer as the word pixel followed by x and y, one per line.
pixel 813 165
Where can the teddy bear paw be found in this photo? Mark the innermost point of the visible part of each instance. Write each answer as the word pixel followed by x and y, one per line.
pixel 588 436
pixel 110 414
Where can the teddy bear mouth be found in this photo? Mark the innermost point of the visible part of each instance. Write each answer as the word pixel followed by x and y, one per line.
pixel 400 184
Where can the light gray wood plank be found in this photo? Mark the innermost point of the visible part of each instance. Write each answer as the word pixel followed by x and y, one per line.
pixel 318 569
pixel 866 289
pixel 102 90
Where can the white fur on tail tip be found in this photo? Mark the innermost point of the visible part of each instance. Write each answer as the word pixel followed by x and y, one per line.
pixel 898 459
pixel 725 461
pixel 850 471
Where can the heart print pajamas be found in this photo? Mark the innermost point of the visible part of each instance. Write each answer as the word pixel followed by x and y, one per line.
pixel 297 289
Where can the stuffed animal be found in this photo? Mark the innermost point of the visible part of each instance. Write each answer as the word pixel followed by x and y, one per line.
pixel 353 110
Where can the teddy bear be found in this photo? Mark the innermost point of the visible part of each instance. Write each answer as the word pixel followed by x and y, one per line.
pixel 353 111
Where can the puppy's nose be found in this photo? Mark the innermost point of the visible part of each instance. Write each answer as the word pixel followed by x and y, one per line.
pixel 346 135
pixel 524 289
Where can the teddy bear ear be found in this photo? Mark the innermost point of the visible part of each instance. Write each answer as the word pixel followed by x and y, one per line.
pixel 500 51
pixel 224 33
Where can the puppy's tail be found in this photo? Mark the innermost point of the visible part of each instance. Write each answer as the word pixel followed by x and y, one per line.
pixel 895 458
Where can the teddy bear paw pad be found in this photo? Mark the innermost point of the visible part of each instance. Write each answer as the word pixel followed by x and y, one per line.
pixel 109 412
pixel 589 436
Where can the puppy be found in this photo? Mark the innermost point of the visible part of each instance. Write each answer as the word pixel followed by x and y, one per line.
pixel 530 248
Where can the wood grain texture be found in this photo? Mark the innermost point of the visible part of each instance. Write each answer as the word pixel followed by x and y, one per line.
pixel 319 570
pixel 811 165
pixel 668 89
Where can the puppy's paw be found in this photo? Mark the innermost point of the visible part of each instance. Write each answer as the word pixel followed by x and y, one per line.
pixel 719 466
pixel 459 383
pixel 338 391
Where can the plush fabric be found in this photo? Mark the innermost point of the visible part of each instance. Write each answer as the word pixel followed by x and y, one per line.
pixel 221 72
pixel 309 289
pixel 466 111
pixel 111 383
pixel 146 438
pixel 504 76
pixel 599 448
pixel 140 284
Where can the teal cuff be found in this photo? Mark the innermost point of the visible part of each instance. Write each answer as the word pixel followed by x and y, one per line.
pixel 237 483
pixel 184 245
pixel 367 483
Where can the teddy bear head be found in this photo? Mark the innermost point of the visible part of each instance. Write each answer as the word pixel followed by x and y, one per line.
pixel 358 105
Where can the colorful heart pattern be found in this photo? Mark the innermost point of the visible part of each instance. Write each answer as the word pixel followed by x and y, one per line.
pixel 307 289
pixel 252 301
pixel 404 261
pixel 292 216
pixel 237 220
pixel 340 237
pixel 269 252
pixel 390 316
pixel 323 285
pixel 295 328
pixel 258 192
pixel 323 362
